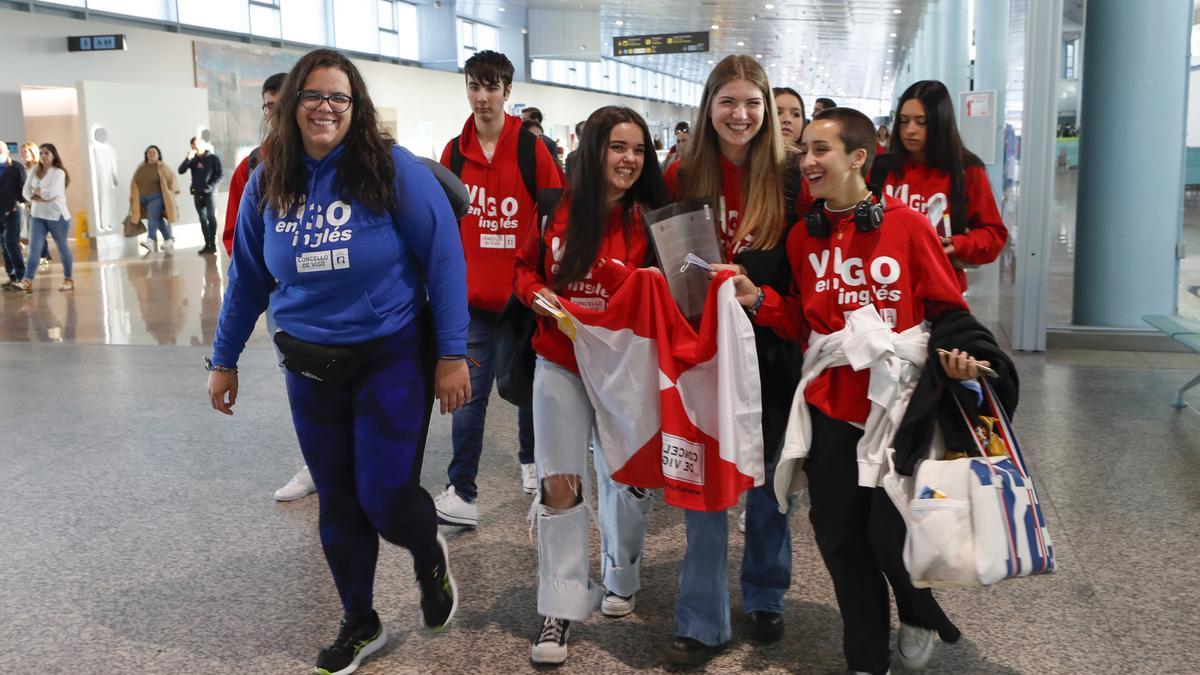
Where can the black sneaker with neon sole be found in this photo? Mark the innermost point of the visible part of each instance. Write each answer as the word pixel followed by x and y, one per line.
pixel 439 593
pixel 357 639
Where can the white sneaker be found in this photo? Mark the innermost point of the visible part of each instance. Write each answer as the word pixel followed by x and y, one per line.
pixel 529 478
pixel 454 510
pixel 301 485
pixel 149 245
pixel 551 643
pixel 915 646
pixel 614 605
pixel 168 246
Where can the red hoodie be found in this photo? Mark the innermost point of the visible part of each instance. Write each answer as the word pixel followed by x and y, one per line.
pixel 732 176
pixel 927 190
pixel 900 267
pixel 237 185
pixel 502 210
pixel 624 242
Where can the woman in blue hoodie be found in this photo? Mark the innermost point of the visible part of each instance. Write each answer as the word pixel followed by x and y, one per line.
pixel 358 245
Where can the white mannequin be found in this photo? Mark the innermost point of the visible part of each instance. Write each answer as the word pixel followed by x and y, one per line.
pixel 104 180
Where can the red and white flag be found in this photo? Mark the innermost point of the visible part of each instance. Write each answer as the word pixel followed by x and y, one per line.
pixel 676 408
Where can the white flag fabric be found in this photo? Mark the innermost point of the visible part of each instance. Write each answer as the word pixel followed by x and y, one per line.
pixel 676 407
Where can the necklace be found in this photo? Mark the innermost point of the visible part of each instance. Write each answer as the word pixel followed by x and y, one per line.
pixel 848 208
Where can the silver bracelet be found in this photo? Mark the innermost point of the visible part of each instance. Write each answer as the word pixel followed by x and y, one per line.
pixel 752 310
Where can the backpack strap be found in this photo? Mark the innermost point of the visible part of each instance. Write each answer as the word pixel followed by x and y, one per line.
pixel 547 202
pixel 456 157
pixel 527 162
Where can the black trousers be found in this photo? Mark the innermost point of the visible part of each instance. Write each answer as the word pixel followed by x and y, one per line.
pixel 861 538
pixel 208 218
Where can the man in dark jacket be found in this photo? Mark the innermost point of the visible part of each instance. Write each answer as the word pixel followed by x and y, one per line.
pixel 531 113
pixel 12 180
pixel 206 175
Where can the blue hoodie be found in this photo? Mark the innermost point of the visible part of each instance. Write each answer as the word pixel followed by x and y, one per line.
pixel 340 274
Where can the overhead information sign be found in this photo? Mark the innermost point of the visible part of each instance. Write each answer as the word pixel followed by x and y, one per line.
pixel 95 43
pixel 666 43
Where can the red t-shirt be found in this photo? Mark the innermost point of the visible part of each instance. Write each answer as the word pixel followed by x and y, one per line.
pixel 927 190
pixel 900 267
pixel 502 211
pixel 624 242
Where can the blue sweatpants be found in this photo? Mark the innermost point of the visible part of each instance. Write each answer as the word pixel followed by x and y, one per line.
pixel 364 442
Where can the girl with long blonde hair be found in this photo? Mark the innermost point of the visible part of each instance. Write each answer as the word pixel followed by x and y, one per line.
pixel 736 153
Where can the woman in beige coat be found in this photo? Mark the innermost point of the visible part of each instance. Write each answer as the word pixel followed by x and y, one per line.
pixel 152 196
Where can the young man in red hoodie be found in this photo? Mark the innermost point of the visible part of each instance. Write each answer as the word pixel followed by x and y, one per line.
pixel 490 156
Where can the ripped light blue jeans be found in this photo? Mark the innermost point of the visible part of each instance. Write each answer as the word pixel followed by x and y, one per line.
pixel 564 424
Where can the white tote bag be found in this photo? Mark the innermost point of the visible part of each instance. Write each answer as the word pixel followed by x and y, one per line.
pixel 976 520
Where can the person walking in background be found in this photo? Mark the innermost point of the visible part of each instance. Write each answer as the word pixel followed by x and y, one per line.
pixel 371 224
pixel 535 114
pixel 29 158
pixel 931 171
pixel 46 190
pixel 205 168
pixel 882 136
pixel 12 184
pixel 790 108
pixel 152 196
pixel 823 103
pixel 681 135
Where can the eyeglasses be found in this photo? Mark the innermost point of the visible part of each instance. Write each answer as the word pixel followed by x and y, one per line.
pixel 268 108
pixel 338 103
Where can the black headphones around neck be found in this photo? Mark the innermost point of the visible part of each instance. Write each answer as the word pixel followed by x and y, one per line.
pixel 868 215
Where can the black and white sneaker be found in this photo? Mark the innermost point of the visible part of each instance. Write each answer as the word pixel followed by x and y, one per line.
pixel 439 593
pixel 357 639
pixel 550 647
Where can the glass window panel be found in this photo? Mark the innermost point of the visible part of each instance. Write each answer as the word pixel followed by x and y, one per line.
pixel 558 71
pixel 230 15
pixel 354 25
pixel 625 78
pixel 596 75
pixel 610 77
pixel 466 33
pixel 486 37
pixel 406 25
pixel 389 44
pixel 304 21
pixel 264 21
pixel 387 14
pixel 69 3
pixel 150 9
pixel 541 70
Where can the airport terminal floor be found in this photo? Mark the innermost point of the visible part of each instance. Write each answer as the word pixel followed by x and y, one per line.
pixel 140 534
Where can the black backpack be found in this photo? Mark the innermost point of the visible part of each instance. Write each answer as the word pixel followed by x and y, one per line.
pixel 514 358
pixel 526 160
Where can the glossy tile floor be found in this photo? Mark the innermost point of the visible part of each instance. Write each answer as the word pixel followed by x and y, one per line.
pixel 138 533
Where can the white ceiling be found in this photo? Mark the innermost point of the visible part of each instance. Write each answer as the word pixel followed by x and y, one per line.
pixel 820 47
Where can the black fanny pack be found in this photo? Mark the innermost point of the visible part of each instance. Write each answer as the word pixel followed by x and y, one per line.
pixel 323 363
